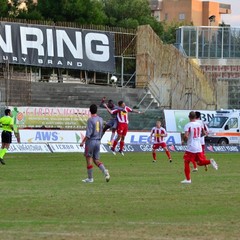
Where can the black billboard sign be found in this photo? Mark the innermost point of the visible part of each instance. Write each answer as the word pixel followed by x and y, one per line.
pixel 56 47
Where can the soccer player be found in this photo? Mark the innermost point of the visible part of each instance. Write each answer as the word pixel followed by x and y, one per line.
pixel 192 133
pixel 7 127
pixel 122 128
pixel 92 141
pixel 203 135
pixel 157 134
pixel 112 122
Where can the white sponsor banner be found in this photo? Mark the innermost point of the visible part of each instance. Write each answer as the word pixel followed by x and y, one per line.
pixel 144 137
pixel 176 119
pixel 28 148
pixel 51 136
pixel 68 147
pixel 71 136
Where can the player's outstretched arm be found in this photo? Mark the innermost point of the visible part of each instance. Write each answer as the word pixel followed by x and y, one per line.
pixel 185 137
pixel 102 102
pixel 137 111
pixel 108 109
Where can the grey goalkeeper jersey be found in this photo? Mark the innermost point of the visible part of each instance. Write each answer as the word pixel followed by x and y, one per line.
pixel 94 128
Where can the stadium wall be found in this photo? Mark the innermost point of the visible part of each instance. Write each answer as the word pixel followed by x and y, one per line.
pixel 174 80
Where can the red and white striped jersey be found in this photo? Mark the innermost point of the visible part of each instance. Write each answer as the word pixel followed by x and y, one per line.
pixel 156 134
pixel 122 114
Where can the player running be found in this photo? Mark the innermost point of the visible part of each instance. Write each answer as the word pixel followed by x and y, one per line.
pixel 6 123
pixel 192 133
pixel 158 133
pixel 203 135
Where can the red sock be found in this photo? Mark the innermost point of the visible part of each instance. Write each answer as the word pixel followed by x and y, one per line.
pixel 187 170
pixel 154 156
pixel 168 154
pixel 114 144
pixel 121 145
pixel 89 166
pixel 194 164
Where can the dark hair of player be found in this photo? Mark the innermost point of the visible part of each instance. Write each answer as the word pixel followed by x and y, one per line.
pixel 192 115
pixel 110 104
pixel 93 109
pixel 7 111
pixel 198 114
pixel 120 103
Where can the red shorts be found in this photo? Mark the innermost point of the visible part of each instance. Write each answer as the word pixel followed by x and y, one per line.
pixel 122 129
pixel 191 157
pixel 158 145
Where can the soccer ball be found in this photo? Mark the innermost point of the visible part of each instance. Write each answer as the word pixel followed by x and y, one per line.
pixel 113 79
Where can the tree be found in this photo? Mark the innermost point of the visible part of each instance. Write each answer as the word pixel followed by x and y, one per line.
pixel 29 12
pixel 130 14
pixel 114 13
pixel 80 11
pixel 50 10
pixel 5 7
pixel 121 12
pixel 83 11
pixel 169 33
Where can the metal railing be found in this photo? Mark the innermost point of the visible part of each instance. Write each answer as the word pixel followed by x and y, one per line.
pixel 209 42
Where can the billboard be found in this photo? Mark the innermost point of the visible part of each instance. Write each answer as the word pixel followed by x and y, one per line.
pixel 76 136
pixel 56 47
pixel 177 119
pixel 104 148
pixel 50 117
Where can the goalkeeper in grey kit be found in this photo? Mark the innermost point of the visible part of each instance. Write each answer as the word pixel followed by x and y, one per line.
pixel 92 141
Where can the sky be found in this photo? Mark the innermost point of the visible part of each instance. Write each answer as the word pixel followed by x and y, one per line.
pixel 234 18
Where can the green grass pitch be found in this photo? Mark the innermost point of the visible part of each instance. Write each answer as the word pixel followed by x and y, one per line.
pixel 42 197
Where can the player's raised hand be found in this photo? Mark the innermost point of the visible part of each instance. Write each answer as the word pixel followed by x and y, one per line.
pixel 105 105
pixel 103 100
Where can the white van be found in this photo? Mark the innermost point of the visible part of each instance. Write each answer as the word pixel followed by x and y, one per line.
pixel 224 128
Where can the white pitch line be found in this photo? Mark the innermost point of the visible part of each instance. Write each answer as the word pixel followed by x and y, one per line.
pixel 92 222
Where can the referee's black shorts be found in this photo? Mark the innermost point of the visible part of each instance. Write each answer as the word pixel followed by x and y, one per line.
pixel 6 137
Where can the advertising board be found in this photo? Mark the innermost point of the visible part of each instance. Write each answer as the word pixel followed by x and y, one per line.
pixel 176 119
